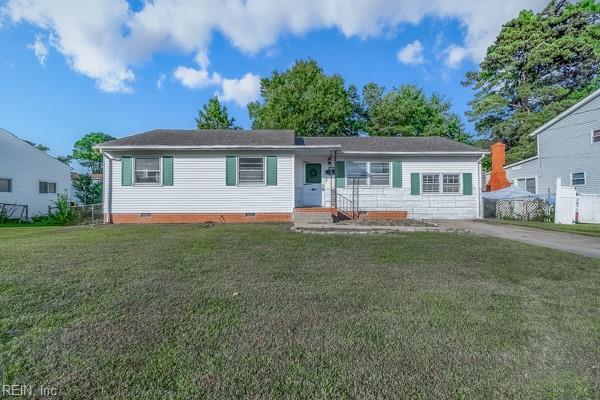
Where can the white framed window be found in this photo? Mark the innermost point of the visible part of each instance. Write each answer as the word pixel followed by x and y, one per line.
pixel 441 183
pixel 47 187
pixel 5 185
pixel 578 178
pixel 356 172
pixel 530 185
pixel 379 173
pixel 451 183
pixel 596 136
pixel 147 170
pixel 431 183
pixel 251 170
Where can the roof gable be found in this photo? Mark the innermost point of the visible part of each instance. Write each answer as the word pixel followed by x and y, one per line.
pixel 14 138
pixel 566 113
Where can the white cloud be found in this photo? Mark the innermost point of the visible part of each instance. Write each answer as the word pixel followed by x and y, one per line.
pixel 39 49
pixel 455 55
pixel 411 54
pixel 160 81
pixel 105 39
pixel 196 78
pixel 242 91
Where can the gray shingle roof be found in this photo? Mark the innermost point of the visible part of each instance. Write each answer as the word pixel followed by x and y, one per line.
pixel 212 137
pixel 179 137
pixel 391 144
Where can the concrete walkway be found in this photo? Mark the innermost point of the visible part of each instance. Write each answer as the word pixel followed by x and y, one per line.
pixel 579 244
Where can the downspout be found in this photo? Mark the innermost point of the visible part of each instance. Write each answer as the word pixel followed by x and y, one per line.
pixel 479 200
pixel 334 191
pixel 108 214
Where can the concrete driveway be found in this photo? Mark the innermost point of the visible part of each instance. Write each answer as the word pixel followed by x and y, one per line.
pixel 579 244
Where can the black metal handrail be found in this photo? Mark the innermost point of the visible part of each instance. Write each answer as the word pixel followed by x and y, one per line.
pixel 345 205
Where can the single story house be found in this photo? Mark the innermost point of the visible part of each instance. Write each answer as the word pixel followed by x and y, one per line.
pixel 29 177
pixel 265 175
pixel 568 147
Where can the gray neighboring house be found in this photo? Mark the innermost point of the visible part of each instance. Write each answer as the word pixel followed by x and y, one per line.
pixel 568 147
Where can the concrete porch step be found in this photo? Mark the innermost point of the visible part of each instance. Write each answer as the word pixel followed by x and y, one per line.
pixel 313 218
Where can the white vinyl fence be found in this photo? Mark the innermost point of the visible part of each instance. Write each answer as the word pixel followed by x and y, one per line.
pixel 573 207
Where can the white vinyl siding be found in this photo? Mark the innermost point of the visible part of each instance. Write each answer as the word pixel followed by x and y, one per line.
pixel 26 167
pixel 387 198
pixel 200 187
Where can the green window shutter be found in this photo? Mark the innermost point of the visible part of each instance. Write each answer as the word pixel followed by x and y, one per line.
pixel 271 170
pixel 468 184
pixel 396 174
pixel 340 174
pixel 167 170
pixel 230 170
pixel 415 183
pixel 126 175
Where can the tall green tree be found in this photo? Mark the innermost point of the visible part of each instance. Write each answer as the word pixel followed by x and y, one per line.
pixel 86 190
pixel 213 115
pixel 307 100
pixel 407 111
pixel 539 65
pixel 84 152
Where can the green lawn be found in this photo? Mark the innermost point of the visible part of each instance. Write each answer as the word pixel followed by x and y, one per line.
pixel 582 229
pixel 256 311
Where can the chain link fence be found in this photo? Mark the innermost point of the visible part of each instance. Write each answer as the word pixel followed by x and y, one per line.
pixel 526 209
pixel 84 214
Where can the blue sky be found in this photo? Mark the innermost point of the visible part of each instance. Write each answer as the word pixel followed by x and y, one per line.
pixel 67 69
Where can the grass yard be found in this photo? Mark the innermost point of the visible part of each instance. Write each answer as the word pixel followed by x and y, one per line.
pixel 256 311
pixel 582 229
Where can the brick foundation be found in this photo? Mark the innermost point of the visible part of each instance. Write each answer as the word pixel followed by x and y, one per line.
pixel 164 218
pixel 372 215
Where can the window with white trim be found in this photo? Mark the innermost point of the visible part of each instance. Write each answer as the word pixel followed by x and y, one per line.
pixel 431 183
pixel 451 183
pixel 379 173
pixel 440 183
pixel 356 172
pixel 251 170
pixel 578 178
pixel 147 170
pixel 596 136
pixel 47 187
pixel 5 185
pixel 530 185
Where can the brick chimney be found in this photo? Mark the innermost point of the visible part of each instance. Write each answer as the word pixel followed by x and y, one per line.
pixel 498 179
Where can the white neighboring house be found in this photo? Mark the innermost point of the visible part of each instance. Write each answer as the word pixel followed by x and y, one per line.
pixel 242 176
pixel 29 176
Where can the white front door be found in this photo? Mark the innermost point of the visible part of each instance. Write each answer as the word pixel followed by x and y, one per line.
pixel 313 187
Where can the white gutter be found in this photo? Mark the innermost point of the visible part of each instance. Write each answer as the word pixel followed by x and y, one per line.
pixel 520 162
pixel 215 147
pixel 449 153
